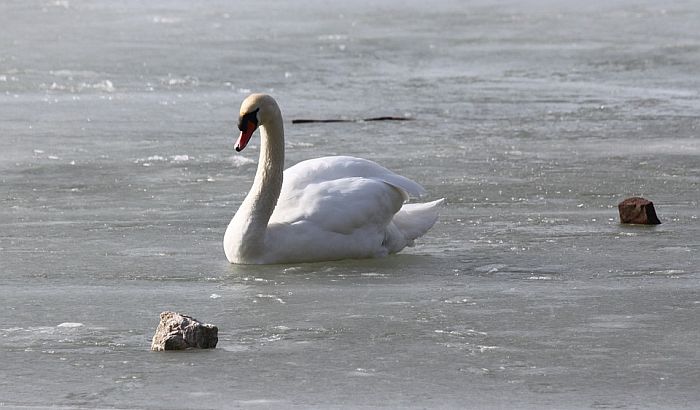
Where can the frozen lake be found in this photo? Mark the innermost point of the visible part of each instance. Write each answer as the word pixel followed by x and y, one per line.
pixel 533 119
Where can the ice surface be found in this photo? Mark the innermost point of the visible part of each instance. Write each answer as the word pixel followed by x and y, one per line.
pixel 533 119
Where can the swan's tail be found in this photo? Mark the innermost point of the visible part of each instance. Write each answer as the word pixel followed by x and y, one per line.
pixel 414 220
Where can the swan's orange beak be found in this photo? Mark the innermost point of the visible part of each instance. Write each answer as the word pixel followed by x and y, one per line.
pixel 243 139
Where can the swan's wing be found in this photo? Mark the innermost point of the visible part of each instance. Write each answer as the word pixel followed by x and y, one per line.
pixel 341 205
pixel 325 169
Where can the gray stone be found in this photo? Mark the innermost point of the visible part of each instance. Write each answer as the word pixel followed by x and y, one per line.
pixel 179 332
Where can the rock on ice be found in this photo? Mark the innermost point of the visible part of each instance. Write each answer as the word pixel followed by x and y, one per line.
pixel 179 332
pixel 637 210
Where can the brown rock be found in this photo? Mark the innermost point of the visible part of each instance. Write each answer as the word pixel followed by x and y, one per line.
pixel 178 332
pixel 637 210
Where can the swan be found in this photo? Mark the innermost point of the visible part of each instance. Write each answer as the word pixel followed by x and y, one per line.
pixel 321 209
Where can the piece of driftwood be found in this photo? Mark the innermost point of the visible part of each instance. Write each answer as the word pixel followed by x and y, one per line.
pixel 637 210
pixel 384 118
pixel 179 332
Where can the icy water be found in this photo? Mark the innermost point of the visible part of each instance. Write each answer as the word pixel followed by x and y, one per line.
pixel 533 119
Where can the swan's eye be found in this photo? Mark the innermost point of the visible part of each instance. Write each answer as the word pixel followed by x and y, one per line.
pixel 248 118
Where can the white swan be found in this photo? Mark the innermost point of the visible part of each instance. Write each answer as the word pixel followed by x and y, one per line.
pixel 322 209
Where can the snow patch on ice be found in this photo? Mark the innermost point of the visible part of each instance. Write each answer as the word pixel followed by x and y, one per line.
pixel 179 81
pixel 165 20
pixel 70 324
pixel 492 268
pixel 239 161
pixel 332 37
pixel 103 85
pixel 272 297
pixel 147 162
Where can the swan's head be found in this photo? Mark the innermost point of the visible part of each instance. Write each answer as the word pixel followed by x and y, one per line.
pixel 256 110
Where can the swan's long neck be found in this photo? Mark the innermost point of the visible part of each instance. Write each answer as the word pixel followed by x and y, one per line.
pixel 255 211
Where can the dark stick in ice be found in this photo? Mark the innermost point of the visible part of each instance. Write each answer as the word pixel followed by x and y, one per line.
pixel 384 118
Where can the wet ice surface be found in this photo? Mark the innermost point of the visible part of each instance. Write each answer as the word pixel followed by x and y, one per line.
pixel 118 179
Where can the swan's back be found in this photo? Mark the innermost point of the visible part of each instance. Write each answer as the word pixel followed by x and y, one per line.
pixel 338 167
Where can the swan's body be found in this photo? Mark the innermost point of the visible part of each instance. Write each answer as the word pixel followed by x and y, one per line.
pixel 322 209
